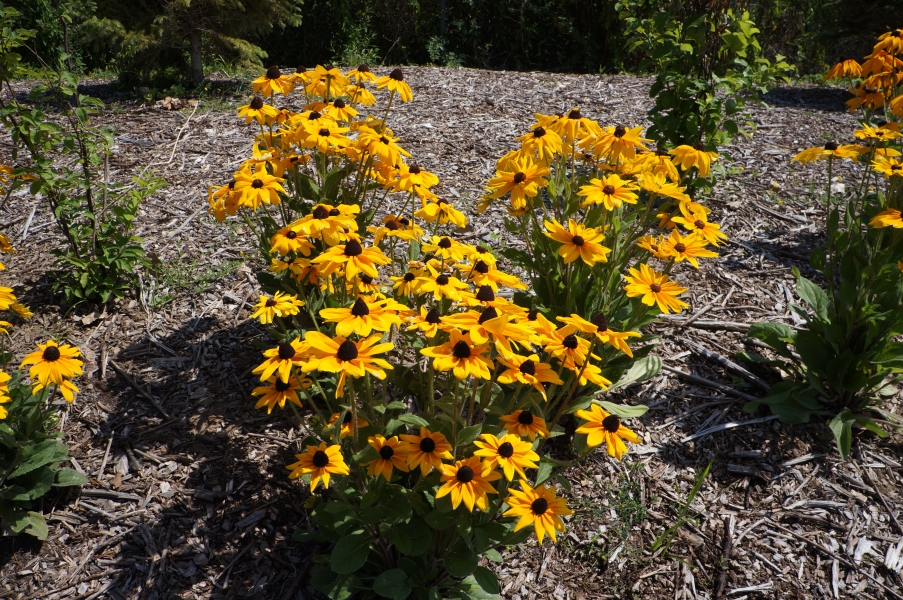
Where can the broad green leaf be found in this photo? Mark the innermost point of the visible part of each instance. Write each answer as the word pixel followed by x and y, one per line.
pixel 625 411
pixel 486 580
pixel 392 584
pixel 469 434
pixel 38 455
pixel 67 477
pixel 413 420
pixel 640 370
pixel 461 562
pixel 350 553
pixel 842 427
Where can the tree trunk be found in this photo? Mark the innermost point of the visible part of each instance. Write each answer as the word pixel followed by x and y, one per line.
pixel 197 62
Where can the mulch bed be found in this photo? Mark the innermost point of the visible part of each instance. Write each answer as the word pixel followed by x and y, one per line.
pixel 189 497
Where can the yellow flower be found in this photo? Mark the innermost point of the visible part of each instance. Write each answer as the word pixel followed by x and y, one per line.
pixel 686 248
pixel 258 111
pixel 525 424
pixel 4 393
pixel 428 321
pixel 381 145
pixel 358 94
pixel 325 82
pixel 483 273
pixel 490 324
pixel 395 82
pixel 510 453
pixel 330 223
pixel 887 218
pixel 22 310
pixel 602 427
pixel 279 391
pixel 282 358
pixel 445 248
pixel 598 326
pixel 831 149
pixel 427 450
pixel 847 68
pixel 443 211
pixel 528 370
pixel 392 454
pixel 53 363
pixel 619 142
pixel 521 177
pixel 688 157
pixel 659 185
pixel 878 134
pixel 272 82
pixel 573 126
pixel 7 298
pixel 567 347
pixel 441 286
pixel 288 240
pixel 339 110
pixel 538 507
pixel 280 305
pixel 351 258
pixel 652 245
pixel 578 241
pixel 611 191
pixel 698 224
pixel 545 143
pixel 889 167
pixel 346 357
pixel 460 355
pixel 467 481
pixel 361 74
pixel 346 429
pixel 410 177
pixel 362 317
pixel 258 187
pixel 324 136
pixel 320 462
pixel 654 288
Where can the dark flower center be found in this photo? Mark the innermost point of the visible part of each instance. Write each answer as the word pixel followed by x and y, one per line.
pixel 620 130
pixel 256 103
pixel 485 294
pixel 347 418
pixel 270 303
pixel 51 353
pixel 531 316
pixel 366 279
pixel 481 267
pixel 323 132
pixel 525 417
pixel 258 183
pixel 404 221
pixel 577 240
pixel 461 350
pixel 539 132
pixel 286 351
pixel 383 139
pixel 427 445
pixel 414 169
pixel 575 114
pixel 281 386
pixel 232 184
pixel 300 69
pixel 359 308
pixel 347 351
pixel 569 341
pixel 464 474
pixel 393 226
pixel 397 75
pixel 321 212
pixel 680 248
pixel 506 450
pixel 409 277
pixel 700 147
pixel 363 69
pixel 353 248
pixel 334 212
pixel 600 322
pixel 539 506
pixel 611 423
pixel 291 234
pixel 320 459
pixel 655 288
pixel 338 103
pixel 528 367
pixel 313 116
pixel 488 314
pixel 519 177
pixel 831 146
pixel 445 243
pixel 273 72
pixel 608 189
pixel 432 317
pixel 386 452
pixel 699 224
pixel 442 279
pixel 896 167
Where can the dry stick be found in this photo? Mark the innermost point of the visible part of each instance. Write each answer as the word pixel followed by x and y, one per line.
pixel 179 135
pixel 712 384
pixel 186 222
pixel 137 388
pixel 28 223
pixel 728 364
pixel 708 324
pixel 106 455
pixel 878 493
pixel 725 426
pixel 727 548
pixel 701 311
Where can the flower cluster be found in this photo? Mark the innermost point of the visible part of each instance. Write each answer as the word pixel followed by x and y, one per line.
pixel 875 84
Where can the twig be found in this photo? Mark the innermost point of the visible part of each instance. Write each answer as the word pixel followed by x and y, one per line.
pixel 728 364
pixel 228 569
pixel 708 324
pixel 701 312
pixel 28 223
pixel 773 213
pixel 724 426
pixel 727 547
pixel 110 494
pixel 878 493
pixel 712 384
pixel 186 222
pixel 137 388
pixel 179 135
pixel 106 455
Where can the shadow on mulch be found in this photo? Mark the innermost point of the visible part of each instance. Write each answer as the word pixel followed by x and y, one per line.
pixel 828 99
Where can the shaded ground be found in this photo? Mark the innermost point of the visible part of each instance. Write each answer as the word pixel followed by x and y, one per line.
pixel 190 500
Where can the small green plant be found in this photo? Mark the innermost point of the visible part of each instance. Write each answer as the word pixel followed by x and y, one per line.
pixel 183 275
pixel 66 160
pixel 663 542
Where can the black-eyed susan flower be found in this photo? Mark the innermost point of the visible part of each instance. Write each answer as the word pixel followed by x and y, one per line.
pixel 442 211
pixel 844 69
pixel 346 429
pixel 483 273
pixel 441 286
pixel 521 177
pixel 395 82
pixel 258 187
pixel 340 110
pixel 382 146
pixel 577 241
pixel 688 157
pixel 654 288
pixel 7 298
pixel 468 481
pixel 362 74
pixel 659 185
pixel 545 143
pixel 611 192
pixel 362 318
pixel 602 427
pixel 510 453
pixel 325 82
pixel 830 150
pixel 446 248
pixel 573 126
pixel 406 284
pixel 427 450
pixel 598 327
pixel 22 310
pixel 428 321
pixel 273 82
pixel 351 258
pixel 652 245
pixel 889 167
pixel 256 110
pixel 411 176
pixel 320 462
pixel 287 240
pixel 887 218
pixel 330 223
pixel 282 358
pixel 393 454
pixel 53 363
pixel 461 356
pixel 527 370
pixel 617 143
pixel 347 357
pixel 566 346
pixel 325 136
pixel 697 223
pixel 490 324
pixel 280 305
pixel 4 393
pixel 279 391
pixel 358 94
pixel 538 507
pixel 524 423
pixel 687 248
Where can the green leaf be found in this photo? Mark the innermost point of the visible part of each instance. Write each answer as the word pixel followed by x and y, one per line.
pixel 350 553
pixel 38 455
pixel 67 477
pixel 29 522
pixel 411 539
pixel 469 434
pixel 842 427
pixel 625 411
pixel 461 562
pixel 640 370
pixel 413 420
pixel 814 296
pixel 486 580
pixel 440 520
pixel 392 584
pixel 544 471
pixel 335 586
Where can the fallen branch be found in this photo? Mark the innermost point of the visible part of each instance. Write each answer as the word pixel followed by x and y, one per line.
pixel 712 384
pixel 728 364
pixel 707 324
pixel 725 426
pixel 128 379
